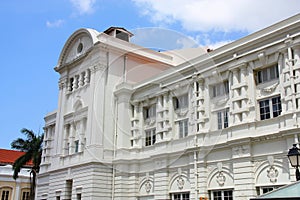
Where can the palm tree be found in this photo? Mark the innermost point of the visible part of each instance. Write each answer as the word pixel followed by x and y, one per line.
pixel 32 146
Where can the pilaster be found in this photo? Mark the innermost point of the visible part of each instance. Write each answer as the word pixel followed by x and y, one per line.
pixel 244 186
pixel 123 93
pixel 161 188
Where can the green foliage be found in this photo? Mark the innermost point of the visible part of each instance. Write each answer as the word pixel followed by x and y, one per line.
pixel 32 146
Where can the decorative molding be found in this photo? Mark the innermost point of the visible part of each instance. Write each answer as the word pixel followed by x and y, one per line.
pixel 262 58
pixel 148 185
pixel 270 89
pixel 272 174
pixel 150 122
pixel 220 177
pixel 182 112
pixel 180 182
pixel 98 66
pixel 62 83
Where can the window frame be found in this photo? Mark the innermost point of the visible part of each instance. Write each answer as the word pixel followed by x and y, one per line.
pixel 25 194
pixel 149 112
pixel 76 146
pixel 260 190
pixel 182 196
pixel 150 137
pixel 223 118
pixel 181 102
pixel 270 107
pixel 264 75
pixel 183 128
pixel 220 89
pixel 6 193
pixel 222 194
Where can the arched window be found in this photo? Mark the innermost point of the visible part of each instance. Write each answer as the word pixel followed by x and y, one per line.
pixel 6 193
pixel 25 194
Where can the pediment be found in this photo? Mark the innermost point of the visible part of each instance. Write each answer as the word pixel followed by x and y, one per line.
pixel 78 44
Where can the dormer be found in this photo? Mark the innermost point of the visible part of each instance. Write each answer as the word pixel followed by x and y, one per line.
pixel 120 33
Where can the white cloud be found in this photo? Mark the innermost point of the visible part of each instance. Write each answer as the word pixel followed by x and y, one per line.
pixel 186 42
pixel 83 6
pixel 162 39
pixel 218 44
pixel 219 15
pixel 205 39
pixel 55 24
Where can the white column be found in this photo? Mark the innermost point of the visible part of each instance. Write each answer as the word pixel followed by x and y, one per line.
pixel 160 102
pixel 135 110
pixel 201 87
pixel 141 125
pixel 81 135
pixel 124 128
pixel 244 91
pixel 71 138
pixel 66 138
pixel 297 53
pixel 18 190
pixel 235 77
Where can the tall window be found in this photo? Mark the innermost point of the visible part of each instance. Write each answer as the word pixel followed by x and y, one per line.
pixel 220 89
pixel 183 128
pixel 150 138
pixel 69 187
pixel 267 74
pixel 223 119
pixel 180 196
pixel 181 102
pixel 221 195
pixel 270 108
pixel 25 195
pixel 5 194
pixel 150 112
pixel 76 146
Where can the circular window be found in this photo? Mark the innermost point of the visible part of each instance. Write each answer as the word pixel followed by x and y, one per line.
pixel 79 48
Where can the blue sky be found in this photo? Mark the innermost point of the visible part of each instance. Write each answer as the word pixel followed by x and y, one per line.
pixel 33 33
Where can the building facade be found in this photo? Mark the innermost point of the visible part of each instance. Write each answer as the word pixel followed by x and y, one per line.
pixel 133 123
pixel 11 189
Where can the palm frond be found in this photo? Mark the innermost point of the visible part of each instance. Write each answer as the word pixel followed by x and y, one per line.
pixel 19 144
pixel 20 162
pixel 32 146
pixel 29 133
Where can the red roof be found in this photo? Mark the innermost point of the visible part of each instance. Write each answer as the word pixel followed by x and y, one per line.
pixel 9 156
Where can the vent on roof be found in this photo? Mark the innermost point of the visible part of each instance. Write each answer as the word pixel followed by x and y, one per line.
pixel 120 33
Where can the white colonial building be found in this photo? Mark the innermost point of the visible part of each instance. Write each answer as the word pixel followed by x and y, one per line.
pixel 133 123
